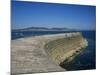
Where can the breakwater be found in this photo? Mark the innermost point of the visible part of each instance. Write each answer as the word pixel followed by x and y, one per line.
pixel 44 53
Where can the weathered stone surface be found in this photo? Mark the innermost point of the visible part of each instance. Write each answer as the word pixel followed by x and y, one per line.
pixel 28 55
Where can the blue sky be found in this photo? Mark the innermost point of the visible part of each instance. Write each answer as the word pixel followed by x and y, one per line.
pixel 36 14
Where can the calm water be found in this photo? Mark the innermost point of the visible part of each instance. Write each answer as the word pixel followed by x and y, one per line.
pixel 16 34
pixel 84 61
pixel 87 59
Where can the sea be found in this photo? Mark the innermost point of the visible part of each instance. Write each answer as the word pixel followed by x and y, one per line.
pixel 86 60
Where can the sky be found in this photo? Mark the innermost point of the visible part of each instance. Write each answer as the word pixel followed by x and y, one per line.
pixel 38 14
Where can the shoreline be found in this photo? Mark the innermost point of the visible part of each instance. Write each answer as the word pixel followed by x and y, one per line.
pixel 28 55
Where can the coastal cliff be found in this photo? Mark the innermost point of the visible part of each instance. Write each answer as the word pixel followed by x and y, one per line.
pixel 45 53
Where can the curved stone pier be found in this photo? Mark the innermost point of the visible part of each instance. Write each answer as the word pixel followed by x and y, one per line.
pixel 44 53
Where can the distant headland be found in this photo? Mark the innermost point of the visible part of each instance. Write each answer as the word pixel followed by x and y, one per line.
pixel 44 29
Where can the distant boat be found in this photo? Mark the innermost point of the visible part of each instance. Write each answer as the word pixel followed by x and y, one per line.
pixel 19 34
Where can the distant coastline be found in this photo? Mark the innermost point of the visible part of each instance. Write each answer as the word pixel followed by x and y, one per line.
pixel 28 29
pixel 43 29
